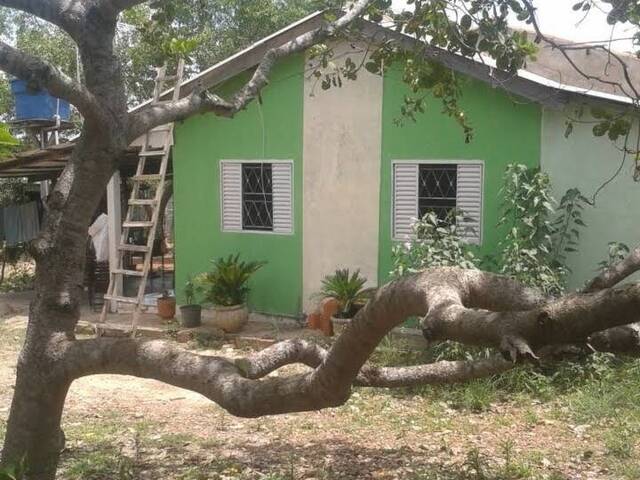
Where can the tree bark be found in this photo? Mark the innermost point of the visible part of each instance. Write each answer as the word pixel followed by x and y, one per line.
pixel 33 430
pixel 34 437
pixel 469 306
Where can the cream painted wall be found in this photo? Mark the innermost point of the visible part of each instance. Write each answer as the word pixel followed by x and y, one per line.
pixel 341 162
pixel 586 162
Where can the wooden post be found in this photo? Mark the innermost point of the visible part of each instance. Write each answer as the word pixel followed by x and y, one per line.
pixel 114 212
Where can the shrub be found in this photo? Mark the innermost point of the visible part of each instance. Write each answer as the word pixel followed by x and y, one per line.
pixel 435 243
pixel 539 236
pixel 227 284
pixel 347 288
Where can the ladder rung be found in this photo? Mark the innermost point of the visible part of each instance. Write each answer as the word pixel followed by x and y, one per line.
pixel 152 153
pixel 147 178
pixel 132 224
pixel 130 273
pixel 160 129
pixel 121 299
pixel 142 201
pixel 127 247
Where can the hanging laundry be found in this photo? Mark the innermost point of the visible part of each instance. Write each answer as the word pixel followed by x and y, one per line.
pixel 21 223
pixel 99 232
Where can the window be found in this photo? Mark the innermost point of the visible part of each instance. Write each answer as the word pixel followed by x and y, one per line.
pixel 437 186
pixel 423 186
pixel 257 196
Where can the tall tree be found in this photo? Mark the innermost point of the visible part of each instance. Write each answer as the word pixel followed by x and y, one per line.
pixel 465 305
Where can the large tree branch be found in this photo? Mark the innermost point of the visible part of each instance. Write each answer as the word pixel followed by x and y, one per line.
pixel 155 115
pixel 67 14
pixel 624 339
pixel 198 102
pixel 455 303
pixel 260 77
pixel 439 373
pixel 616 273
pixel 112 8
pixel 42 75
pixel 456 314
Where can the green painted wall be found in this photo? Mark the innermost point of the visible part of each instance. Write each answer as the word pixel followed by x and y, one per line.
pixel 272 130
pixel 506 130
pixel 587 162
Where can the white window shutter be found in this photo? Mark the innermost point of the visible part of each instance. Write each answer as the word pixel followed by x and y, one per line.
pixel 282 181
pixel 405 198
pixel 469 201
pixel 231 193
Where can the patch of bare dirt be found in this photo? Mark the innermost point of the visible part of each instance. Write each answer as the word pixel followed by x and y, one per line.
pixel 169 433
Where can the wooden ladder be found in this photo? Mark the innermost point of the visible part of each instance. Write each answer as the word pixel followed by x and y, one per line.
pixel 160 161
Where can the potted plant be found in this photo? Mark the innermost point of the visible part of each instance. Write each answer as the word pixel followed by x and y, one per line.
pixel 191 313
pixel 348 290
pixel 166 306
pixel 226 288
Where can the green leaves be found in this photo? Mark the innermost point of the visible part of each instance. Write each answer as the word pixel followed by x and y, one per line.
pixel 329 73
pixel 616 252
pixel 8 143
pixel 435 243
pixel 347 288
pixel 612 123
pixel 540 236
pixel 227 284
pixel 13 472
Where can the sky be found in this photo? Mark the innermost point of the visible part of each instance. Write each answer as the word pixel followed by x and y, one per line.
pixel 557 18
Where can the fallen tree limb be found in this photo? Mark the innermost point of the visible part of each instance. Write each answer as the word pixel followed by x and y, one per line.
pixel 616 273
pixel 454 302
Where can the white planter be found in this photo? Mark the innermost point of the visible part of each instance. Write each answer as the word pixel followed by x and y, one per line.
pixel 230 319
pixel 339 324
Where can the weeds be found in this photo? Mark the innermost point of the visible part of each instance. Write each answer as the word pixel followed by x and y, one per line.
pixel 19 279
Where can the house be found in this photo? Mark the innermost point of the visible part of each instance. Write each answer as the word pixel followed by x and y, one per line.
pixel 311 180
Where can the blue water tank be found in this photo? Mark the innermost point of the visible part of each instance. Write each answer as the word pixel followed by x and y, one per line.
pixel 37 104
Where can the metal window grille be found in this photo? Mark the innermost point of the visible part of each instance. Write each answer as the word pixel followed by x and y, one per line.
pixel 257 196
pixel 437 190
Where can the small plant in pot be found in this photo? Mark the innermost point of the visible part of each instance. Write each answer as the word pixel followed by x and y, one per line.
pixel 191 313
pixel 348 290
pixel 227 288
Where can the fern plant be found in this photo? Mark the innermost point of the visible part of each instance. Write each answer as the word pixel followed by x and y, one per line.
pixel 347 288
pixel 227 284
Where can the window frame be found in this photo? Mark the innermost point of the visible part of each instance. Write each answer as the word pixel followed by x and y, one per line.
pixel 443 200
pixel 272 162
pixel 266 181
pixel 419 162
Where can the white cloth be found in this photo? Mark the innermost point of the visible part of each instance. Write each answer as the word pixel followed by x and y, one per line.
pixel 99 232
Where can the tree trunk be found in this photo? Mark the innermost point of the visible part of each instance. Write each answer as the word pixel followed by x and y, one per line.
pixel 4 265
pixel 34 437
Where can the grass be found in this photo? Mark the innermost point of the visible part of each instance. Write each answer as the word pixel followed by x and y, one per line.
pixel 584 413
pixel 18 278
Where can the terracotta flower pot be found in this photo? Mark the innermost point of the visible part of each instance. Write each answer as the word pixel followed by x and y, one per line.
pixel 318 321
pixel 231 319
pixel 166 307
